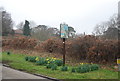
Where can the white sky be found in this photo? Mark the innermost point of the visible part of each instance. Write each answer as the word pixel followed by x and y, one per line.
pixel 83 15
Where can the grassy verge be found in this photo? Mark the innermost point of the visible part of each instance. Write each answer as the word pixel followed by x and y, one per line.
pixel 17 61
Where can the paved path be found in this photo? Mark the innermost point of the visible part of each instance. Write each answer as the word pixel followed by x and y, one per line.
pixel 8 73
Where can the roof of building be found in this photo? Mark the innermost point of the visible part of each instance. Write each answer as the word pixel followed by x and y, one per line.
pixel 18 31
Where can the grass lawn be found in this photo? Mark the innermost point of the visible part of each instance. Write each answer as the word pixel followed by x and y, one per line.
pixel 17 61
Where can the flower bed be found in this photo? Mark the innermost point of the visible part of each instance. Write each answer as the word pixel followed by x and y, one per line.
pixel 54 63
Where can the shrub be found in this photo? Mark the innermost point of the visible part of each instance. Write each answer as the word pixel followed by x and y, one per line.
pixel 86 68
pixel 58 62
pixel 87 47
pixel 64 68
pixel 8 53
pixel 83 68
pixel 32 59
pixel 94 67
pixel 26 58
pixel 54 67
pixel 21 42
pixel 40 62
pixel 73 70
pixel 49 66
pixel 52 45
pixel 104 51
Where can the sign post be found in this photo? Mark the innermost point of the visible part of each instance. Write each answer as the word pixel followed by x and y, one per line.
pixel 64 36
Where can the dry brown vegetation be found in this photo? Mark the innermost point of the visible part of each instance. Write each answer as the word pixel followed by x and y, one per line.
pixel 88 48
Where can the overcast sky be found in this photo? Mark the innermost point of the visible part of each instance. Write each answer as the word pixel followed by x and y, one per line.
pixel 83 15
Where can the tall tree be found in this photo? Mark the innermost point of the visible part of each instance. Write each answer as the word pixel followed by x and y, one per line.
pixel 100 28
pixel 111 33
pixel 42 32
pixel 20 26
pixel 71 31
pixel 26 29
pixel 7 23
pixel 108 29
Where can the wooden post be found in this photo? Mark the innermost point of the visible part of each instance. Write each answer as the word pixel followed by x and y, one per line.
pixel 64 51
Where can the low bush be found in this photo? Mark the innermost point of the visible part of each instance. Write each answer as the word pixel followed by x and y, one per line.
pixel 8 53
pixel 94 67
pixel 82 69
pixel 54 67
pixel 26 58
pixel 64 68
pixel 21 42
pixel 86 68
pixel 49 66
pixel 58 62
pixel 73 70
pixel 87 47
pixel 52 45
pixel 30 59
pixel 40 62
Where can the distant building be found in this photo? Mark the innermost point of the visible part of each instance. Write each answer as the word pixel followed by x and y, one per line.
pixel 18 32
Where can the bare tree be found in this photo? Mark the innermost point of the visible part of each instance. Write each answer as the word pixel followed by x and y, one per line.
pixel 42 32
pixel 113 21
pixel 20 26
pixel 7 23
pixel 108 29
pixel 103 27
pixel 71 32
pixel 100 28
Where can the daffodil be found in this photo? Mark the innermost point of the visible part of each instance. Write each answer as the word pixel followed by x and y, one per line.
pixel 91 63
pixel 37 59
pixel 47 59
pixel 81 63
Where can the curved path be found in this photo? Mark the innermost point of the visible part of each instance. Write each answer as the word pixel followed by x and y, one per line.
pixel 8 73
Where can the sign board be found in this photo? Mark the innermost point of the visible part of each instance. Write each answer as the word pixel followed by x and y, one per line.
pixel 118 61
pixel 64 30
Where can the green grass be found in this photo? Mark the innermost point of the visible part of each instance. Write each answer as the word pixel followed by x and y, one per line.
pixel 0 56
pixel 17 61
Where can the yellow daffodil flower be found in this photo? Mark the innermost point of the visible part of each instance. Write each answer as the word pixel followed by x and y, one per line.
pixel 91 63
pixel 47 59
pixel 37 59
pixel 81 63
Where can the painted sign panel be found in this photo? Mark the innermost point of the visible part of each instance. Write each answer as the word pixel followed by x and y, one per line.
pixel 64 30
pixel 118 61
